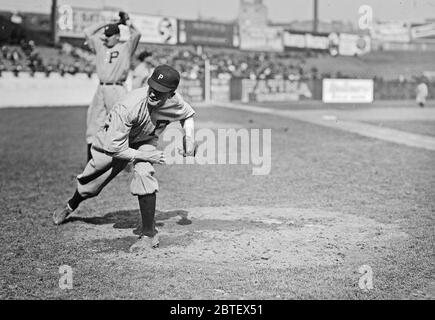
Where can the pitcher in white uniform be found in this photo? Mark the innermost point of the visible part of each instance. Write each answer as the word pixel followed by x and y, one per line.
pixel 131 135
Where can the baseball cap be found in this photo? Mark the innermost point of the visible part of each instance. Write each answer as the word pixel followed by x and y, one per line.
pixel 164 78
pixel 111 29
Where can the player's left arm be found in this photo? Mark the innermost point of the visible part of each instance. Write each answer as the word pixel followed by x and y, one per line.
pixel 180 110
pixel 189 144
pixel 135 35
pixel 188 124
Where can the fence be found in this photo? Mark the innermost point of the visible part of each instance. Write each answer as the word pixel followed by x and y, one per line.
pixel 78 90
pixel 395 90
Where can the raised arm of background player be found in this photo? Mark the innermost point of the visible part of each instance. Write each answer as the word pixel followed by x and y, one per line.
pixel 92 37
pixel 134 35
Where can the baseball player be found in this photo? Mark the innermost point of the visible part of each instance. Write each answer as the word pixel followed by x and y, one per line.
pixel 142 71
pixel 422 92
pixel 130 134
pixel 113 60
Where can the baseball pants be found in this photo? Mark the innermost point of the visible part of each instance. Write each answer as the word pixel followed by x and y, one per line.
pixel 102 168
pixel 104 99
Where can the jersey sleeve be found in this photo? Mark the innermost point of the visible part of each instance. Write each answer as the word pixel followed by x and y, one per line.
pixel 94 42
pixel 116 130
pixel 187 111
pixel 178 110
pixel 133 41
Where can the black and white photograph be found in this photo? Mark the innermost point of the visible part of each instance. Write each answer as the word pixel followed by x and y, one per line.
pixel 217 155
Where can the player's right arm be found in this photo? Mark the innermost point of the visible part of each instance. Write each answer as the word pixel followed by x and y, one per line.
pixel 91 35
pixel 115 140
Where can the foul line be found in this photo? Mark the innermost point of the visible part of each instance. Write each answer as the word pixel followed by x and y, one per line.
pixel 367 130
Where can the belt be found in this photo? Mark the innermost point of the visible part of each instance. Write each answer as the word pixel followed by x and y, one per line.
pixel 119 83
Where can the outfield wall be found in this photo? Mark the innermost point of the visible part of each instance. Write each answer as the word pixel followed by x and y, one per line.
pixel 70 90
pixel 78 90
pixel 395 90
pixel 27 91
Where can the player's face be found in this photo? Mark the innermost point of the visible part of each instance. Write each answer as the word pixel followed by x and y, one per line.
pixel 157 98
pixel 111 41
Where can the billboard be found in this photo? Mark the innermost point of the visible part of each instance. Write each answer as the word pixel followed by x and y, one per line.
pixel 423 32
pixel 274 90
pixel 347 90
pixel 305 40
pixel 391 32
pixel 353 44
pixel 207 33
pixel 261 39
pixel 154 29
pixel 73 21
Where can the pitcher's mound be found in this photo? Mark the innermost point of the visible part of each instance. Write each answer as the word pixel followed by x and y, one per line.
pixel 277 237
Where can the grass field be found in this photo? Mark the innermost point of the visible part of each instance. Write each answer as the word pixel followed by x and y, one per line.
pixel 334 201
pixel 414 126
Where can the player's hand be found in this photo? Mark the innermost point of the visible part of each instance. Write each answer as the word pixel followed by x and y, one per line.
pixel 123 17
pixel 154 157
pixel 189 147
pixel 158 158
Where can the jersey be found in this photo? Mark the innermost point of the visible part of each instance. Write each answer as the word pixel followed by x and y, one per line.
pixel 113 64
pixel 131 122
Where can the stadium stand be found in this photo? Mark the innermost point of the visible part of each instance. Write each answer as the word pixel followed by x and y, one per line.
pixel 26 50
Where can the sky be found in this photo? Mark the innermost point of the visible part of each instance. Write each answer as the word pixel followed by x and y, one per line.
pixel 226 10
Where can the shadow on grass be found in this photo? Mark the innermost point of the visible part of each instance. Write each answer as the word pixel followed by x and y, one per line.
pixel 127 219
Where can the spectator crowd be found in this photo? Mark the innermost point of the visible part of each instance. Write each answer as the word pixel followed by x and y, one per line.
pixel 27 57
pixel 190 61
pixel 225 63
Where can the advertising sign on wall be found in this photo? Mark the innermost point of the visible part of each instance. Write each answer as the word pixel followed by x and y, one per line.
pixel 262 39
pixel 274 90
pixel 294 40
pixel 391 31
pixel 347 90
pixel 305 40
pixel 426 31
pixel 73 21
pixel 207 33
pixel 353 44
pixel 154 29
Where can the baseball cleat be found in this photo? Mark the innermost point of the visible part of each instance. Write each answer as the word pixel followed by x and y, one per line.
pixel 155 241
pixel 60 215
pixel 145 243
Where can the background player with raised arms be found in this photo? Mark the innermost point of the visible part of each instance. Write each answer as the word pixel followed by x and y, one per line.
pixel 113 60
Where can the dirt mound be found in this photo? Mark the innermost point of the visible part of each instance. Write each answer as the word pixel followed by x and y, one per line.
pixel 274 237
